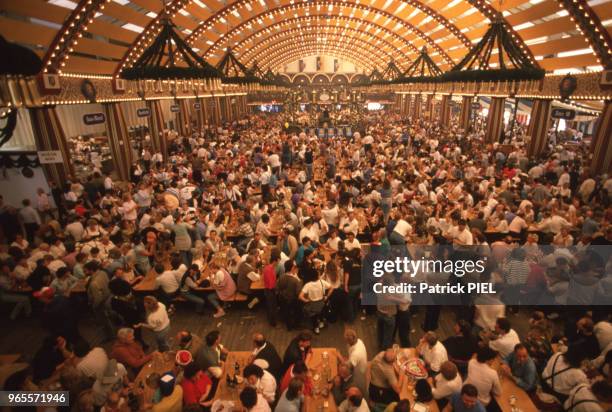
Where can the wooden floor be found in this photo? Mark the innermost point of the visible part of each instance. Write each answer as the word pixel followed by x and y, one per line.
pixel 24 336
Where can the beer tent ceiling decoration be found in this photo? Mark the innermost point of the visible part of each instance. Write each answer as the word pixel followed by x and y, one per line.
pixel 98 37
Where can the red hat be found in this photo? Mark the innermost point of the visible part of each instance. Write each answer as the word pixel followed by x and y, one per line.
pixel 183 357
pixel 46 293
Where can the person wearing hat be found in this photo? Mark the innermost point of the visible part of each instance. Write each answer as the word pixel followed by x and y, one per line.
pixel 113 380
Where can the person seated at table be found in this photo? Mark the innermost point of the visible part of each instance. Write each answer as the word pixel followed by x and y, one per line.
pixel 460 347
pixel 265 352
pixel 423 391
pixel 563 373
pixel 186 340
pixel 113 380
pixel 253 401
pixel 465 401
pixel 432 351
pixel 519 366
pixel 211 356
pixel 292 399
pixel 385 380
pixel 171 394
pixel 483 376
pixel 167 283
pixel 351 242
pixel 585 338
pixel 189 283
pixel 354 401
pixel 262 380
pixel 506 338
pixel 306 247
pixel 343 381
pixel 225 288
pixel 594 398
pixel 287 243
pixel 300 371
pixel 128 351
pixel 197 387
pixel 247 274
pixel 299 349
pixel 257 243
pixel 446 383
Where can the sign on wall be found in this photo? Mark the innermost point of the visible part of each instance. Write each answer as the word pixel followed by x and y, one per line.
pixel 565 114
pixel 46 157
pixel 93 118
pixel 143 112
pixel 175 108
pixel 197 106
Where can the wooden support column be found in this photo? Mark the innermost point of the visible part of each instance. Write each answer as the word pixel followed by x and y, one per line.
pixel 118 140
pixel 184 118
pixel 156 128
pixel 495 120
pixel 538 126
pixel 466 113
pixel 602 147
pixel 416 108
pixel 444 115
pixel 407 102
pixel 200 113
pixel 397 103
pixel 216 110
pixel 49 135
pixel 429 106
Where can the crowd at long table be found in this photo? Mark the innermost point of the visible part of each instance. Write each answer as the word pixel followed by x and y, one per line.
pixel 247 216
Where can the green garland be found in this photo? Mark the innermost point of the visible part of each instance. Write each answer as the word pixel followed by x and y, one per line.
pixel 164 73
pixel 528 73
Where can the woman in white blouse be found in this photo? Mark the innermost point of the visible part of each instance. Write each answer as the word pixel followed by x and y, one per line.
pixel 314 294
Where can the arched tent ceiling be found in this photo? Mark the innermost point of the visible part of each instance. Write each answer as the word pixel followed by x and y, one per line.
pixel 101 37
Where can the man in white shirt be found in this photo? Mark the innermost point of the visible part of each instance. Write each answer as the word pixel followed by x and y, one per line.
pixel 506 340
pixel 351 242
pixel 483 376
pixel 585 398
pixel 447 382
pixel 357 356
pixel 400 231
pixel 433 351
pixel 262 381
pixel 169 280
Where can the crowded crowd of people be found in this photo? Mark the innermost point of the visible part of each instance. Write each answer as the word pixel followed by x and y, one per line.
pixel 250 215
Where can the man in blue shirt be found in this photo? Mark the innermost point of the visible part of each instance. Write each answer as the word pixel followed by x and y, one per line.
pixel 465 401
pixel 519 366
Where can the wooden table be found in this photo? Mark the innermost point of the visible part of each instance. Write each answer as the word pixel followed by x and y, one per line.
pixel 509 388
pixel 160 364
pixel 315 364
pixel 10 358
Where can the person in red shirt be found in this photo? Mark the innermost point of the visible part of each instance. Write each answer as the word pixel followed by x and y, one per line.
pixel 269 278
pixel 129 352
pixel 298 370
pixel 197 387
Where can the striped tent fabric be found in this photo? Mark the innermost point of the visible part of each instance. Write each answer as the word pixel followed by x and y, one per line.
pixel 495 120
pixel 118 140
pixel 538 127
pixel 602 149
pixel 156 128
pixel 49 135
pixel 184 118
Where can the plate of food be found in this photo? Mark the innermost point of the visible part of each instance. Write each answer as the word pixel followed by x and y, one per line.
pixel 415 367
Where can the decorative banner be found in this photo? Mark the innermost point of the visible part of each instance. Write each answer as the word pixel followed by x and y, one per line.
pixel 476 106
pixel 197 106
pixel 565 114
pixel 93 118
pixel 175 108
pixel 143 112
pixel 46 157
pixel 319 63
pixel 301 65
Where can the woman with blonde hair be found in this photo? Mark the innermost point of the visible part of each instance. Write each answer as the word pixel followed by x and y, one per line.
pixel 157 321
